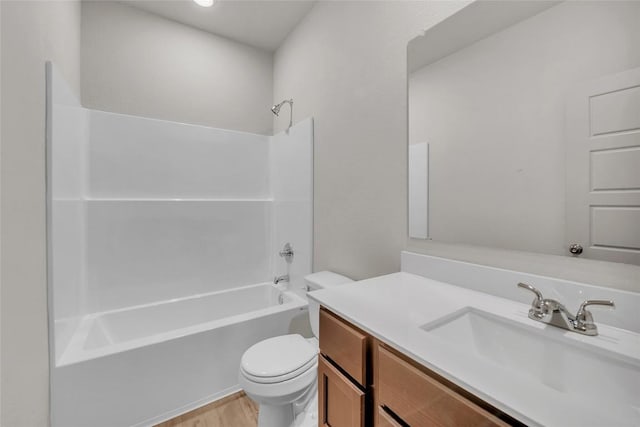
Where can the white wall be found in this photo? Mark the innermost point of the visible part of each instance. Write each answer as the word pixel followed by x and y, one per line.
pixel 147 210
pixel 134 157
pixel 135 62
pixel 494 116
pixel 67 141
pixel 173 210
pixel 32 32
pixel 291 178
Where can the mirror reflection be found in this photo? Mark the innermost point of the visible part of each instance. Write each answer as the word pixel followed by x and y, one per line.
pixel 524 131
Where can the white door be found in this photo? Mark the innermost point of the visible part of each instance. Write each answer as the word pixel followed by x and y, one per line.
pixel 603 168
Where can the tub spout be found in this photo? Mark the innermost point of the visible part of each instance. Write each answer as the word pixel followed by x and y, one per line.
pixel 279 279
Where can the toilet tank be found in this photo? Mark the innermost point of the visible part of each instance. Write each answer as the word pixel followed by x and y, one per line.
pixel 314 282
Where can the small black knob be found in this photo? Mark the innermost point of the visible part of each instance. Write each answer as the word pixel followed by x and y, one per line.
pixel 575 249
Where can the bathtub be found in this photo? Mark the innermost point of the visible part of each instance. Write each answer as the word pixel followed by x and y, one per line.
pixel 145 364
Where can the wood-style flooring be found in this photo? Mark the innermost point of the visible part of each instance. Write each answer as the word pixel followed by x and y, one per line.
pixel 236 410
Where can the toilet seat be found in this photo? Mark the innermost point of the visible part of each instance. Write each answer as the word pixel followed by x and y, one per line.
pixel 278 359
pixel 312 364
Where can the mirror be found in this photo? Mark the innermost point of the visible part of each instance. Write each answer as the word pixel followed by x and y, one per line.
pixel 524 129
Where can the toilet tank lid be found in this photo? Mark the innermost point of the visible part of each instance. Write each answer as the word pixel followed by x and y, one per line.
pixel 325 279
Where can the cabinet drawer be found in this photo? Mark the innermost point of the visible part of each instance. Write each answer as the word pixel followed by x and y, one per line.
pixel 344 345
pixel 340 402
pixel 420 400
pixel 385 420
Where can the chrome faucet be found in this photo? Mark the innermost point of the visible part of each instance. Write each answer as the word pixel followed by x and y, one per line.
pixel 279 279
pixel 287 253
pixel 554 313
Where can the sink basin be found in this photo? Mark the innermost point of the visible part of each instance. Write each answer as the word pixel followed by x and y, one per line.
pixel 545 356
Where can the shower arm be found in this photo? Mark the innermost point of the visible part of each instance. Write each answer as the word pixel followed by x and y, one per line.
pixel 290 102
pixel 276 110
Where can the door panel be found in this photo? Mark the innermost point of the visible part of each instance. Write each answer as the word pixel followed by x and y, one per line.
pixel 615 169
pixel 340 402
pixel 603 168
pixel 616 111
pixel 610 227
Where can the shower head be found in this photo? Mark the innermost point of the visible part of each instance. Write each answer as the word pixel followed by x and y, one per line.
pixel 276 109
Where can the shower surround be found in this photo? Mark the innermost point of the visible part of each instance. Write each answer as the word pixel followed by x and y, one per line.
pixel 162 239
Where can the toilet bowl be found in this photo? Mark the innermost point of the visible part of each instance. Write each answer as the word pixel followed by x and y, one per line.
pixel 280 373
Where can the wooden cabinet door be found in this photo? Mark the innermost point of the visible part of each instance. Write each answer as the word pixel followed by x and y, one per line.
pixel 340 402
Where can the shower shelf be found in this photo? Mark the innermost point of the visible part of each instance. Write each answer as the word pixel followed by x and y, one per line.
pixel 171 199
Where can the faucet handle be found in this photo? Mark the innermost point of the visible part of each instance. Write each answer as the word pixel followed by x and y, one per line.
pixel 538 309
pixel 287 253
pixel 584 320
pixel 584 317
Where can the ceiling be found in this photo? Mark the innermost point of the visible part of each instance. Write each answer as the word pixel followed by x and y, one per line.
pixel 260 23
pixel 474 22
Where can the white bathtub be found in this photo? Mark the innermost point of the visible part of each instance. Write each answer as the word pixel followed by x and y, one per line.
pixel 145 364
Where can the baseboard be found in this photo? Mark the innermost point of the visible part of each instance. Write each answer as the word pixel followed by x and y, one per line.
pixel 188 408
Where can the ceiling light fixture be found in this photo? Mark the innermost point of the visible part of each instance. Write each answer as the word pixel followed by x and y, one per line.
pixel 204 3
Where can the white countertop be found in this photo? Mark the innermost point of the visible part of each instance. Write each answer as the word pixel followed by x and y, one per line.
pixel 393 307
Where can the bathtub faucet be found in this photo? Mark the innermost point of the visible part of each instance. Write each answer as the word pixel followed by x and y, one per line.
pixel 279 279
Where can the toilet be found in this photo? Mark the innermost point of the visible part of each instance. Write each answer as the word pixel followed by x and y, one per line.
pixel 280 373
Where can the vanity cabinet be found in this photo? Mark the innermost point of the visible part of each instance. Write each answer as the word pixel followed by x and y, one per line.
pixel 364 382
pixel 343 373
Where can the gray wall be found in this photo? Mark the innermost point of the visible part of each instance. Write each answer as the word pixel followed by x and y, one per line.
pixel 135 62
pixel 345 64
pixel 32 32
